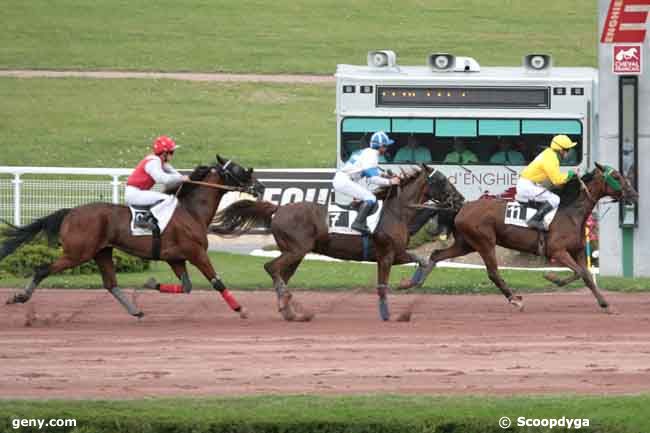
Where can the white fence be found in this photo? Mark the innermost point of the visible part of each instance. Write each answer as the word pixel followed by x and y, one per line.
pixel 27 193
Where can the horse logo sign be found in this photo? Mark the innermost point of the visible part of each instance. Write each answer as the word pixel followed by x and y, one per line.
pixel 627 59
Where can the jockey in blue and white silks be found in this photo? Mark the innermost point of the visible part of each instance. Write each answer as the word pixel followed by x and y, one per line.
pixel 364 164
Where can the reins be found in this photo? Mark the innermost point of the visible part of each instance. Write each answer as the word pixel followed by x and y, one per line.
pixel 586 189
pixel 217 186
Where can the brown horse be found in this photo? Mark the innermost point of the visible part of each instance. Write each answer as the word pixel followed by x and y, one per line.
pixel 299 228
pixel 479 226
pixel 91 231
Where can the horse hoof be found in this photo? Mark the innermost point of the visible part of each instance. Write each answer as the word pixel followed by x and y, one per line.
pixel 306 316
pixel 404 317
pixel 517 302
pixel 405 284
pixel 243 313
pixel 611 310
pixel 139 315
pixel 18 298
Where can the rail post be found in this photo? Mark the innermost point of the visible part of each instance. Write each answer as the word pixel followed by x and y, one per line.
pixel 17 181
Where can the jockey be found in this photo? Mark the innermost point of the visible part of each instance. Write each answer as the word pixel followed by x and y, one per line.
pixel 544 169
pixel 154 168
pixel 364 163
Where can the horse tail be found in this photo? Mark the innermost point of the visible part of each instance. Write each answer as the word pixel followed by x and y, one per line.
pixel 14 236
pixel 243 215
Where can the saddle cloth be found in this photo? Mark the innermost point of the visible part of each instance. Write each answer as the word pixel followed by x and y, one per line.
pixel 517 214
pixel 340 219
pixel 162 211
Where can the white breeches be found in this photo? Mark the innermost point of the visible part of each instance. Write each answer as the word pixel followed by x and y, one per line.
pixel 344 184
pixel 530 191
pixel 141 197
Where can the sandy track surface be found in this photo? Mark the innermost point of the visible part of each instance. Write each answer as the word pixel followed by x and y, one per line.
pixel 80 344
pixel 186 76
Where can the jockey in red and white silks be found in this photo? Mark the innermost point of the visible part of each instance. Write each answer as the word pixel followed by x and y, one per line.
pixel 154 168
pixel 364 164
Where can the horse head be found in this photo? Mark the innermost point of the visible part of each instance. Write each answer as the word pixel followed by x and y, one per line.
pixel 233 174
pixel 614 184
pixel 441 190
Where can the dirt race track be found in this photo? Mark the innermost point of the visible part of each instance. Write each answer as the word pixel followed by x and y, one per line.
pixel 80 344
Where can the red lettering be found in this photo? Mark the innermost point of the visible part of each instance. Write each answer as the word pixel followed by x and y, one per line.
pixel 622 13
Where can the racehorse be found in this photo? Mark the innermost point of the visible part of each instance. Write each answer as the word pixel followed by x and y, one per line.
pixel 91 231
pixel 479 226
pixel 299 228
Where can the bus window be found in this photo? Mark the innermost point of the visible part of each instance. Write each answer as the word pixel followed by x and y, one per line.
pixel 412 139
pixel 538 133
pixel 456 141
pixel 499 142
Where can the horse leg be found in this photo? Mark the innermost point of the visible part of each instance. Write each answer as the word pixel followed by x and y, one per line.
pixel 104 260
pixel 281 269
pixel 61 264
pixel 181 272
pixel 302 315
pixel 581 259
pixel 39 275
pixel 490 259
pixel 383 273
pixel 565 258
pixel 202 262
pixel 459 248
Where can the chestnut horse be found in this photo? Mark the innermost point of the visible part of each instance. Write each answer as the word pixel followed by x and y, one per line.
pixel 479 226
pixel 91 231
pixel 299 228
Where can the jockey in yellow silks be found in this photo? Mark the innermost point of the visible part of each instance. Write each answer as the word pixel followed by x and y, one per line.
pixel 544 169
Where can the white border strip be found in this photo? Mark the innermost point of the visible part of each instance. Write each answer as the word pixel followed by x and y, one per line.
pixel 443 264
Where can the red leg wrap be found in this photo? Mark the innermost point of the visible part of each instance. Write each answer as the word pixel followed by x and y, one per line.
pixel 230 300
pixel 171 288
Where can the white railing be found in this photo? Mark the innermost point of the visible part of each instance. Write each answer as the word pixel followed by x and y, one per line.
pixel 24 198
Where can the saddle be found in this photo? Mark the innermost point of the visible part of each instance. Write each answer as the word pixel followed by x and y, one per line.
pixel 518 213
pixel 143 218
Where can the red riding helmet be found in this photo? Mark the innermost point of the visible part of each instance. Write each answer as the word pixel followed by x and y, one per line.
pixel 163 144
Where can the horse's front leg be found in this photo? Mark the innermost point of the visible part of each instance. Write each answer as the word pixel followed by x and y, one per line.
pixel 581 260
pixel 202 262
pixel 565 258
pixel 384 263
pixel 180 270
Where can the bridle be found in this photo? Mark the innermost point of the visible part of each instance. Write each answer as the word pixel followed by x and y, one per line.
pixel 226 173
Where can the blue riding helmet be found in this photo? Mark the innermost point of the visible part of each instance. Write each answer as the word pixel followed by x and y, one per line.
pixel 380 138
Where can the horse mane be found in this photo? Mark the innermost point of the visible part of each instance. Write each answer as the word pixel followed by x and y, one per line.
pixel 407 178
pixel 570 191
pixel 199 173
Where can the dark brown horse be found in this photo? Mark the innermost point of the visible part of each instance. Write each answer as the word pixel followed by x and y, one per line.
pixel 479 226
pixel 300 228
pixel 92 231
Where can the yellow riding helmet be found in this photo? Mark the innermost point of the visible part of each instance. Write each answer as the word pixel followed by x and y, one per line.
pixel 562 142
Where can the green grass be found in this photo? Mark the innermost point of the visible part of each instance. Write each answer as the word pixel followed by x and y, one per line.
pixel 247 273
pixel 287 36
pixel 111 123
pixel 386 413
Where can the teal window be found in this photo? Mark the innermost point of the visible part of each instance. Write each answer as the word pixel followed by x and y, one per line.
pixel 456 128
pixel 570 127
pixel 366 125
pixel 413 125
pixel 507 127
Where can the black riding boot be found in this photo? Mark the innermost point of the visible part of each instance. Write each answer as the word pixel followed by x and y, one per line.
pixel 359 223
pixel 537 221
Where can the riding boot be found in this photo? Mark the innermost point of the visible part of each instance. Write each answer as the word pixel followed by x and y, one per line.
pixel 537 221
pixel 359 223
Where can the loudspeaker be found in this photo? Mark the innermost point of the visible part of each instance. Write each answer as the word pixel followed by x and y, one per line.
pixel 442 62
pixel 382 59
pixel 538 62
